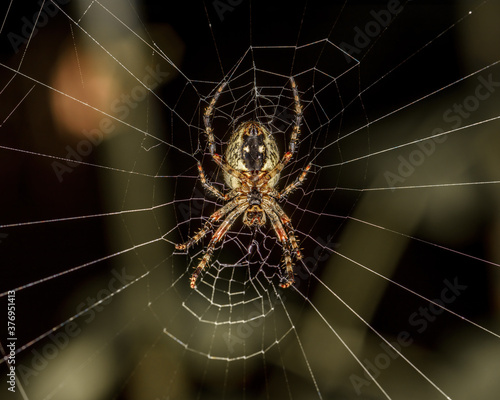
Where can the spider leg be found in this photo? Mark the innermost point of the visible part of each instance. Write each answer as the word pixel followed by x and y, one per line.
pixel 208 114
pixel 277 169
pixel 216 216
pixel 292 147
pixel 227 168
pixel 290 280
pixel 211 188
pixel 218 236
pixel 298 118
pixel 294 185
pixel 272 212
pixel 287 223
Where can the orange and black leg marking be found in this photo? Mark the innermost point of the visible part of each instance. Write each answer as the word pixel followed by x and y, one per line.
pixel 284 239
pixel 201 266
pixel 217 237
pixel 298 118
pixel 290 280
pixel 287 223
pixel 207 118
pixel 211 188
pixel 290 188
pixel 278 168
pixel 227 168
pixel 216 216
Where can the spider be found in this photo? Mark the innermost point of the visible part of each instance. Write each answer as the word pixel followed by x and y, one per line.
pixel 251 168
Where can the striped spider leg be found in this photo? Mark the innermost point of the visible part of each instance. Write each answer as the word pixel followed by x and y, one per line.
pixel 238 206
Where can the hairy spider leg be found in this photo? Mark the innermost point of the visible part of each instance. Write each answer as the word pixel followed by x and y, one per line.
pixel 278 168
pixel 298 118
pixel 216 216
pixel 294 185
pixel 207 118
pixel 287 223
pixel 227 168
pixel 284 239
pixel 212 189
pixel 218 236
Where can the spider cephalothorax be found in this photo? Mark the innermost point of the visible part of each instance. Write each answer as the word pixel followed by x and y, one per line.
pixel 251 169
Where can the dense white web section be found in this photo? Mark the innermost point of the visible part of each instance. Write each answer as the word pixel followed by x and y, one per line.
pixel 101 130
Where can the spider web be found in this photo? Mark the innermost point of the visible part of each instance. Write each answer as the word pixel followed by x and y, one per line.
pixel 102 128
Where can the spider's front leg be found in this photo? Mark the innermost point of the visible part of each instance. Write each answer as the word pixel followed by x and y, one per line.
pixel 294 139
pixel 279 167
pixel 227 168
pixel 207 115
pixel 211 188
pixel 218 236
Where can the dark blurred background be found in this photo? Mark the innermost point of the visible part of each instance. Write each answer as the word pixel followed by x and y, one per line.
pixel 424 49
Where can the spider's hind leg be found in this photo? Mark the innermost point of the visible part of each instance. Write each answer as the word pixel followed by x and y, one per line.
pixel 217 237
pixel 290 280
pixel 201 266
pixel 284 233
pixel 216 216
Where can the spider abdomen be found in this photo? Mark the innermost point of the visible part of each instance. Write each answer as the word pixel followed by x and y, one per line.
pixel 253 151
pixel 251 148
